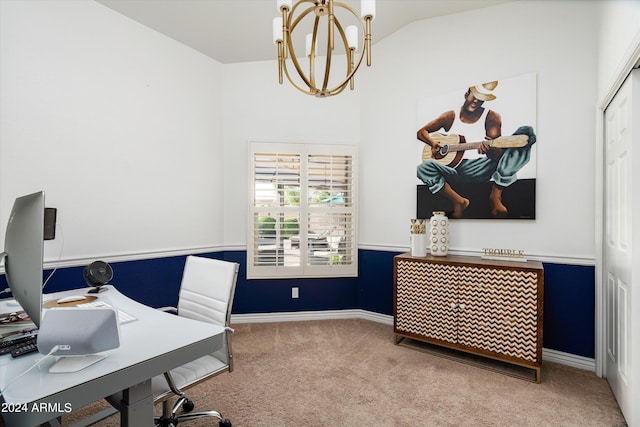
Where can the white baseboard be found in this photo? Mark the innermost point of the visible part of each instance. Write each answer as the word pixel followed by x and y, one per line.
pixel 580 362
pixel 295 316
pixel 549 355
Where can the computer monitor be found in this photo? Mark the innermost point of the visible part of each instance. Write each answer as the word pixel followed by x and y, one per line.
pixel 24 251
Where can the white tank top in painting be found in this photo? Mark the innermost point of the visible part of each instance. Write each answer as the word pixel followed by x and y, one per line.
pixel 473 132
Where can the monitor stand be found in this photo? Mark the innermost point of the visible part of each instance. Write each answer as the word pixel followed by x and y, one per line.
pixel 67 364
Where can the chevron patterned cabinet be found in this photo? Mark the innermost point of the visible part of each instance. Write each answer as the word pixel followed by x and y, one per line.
pixel 485 307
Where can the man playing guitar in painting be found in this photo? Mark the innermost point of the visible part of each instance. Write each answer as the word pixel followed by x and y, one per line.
pixel 501 157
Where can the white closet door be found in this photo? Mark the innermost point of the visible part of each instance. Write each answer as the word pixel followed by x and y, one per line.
pixel 620 204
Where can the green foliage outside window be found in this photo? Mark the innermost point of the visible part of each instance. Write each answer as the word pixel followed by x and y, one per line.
pixel 290 227
pixel 266 226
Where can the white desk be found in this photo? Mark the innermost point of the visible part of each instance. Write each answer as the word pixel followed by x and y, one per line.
pixel 149 346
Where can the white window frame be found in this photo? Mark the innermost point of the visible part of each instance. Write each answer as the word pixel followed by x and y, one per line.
pixel 306 266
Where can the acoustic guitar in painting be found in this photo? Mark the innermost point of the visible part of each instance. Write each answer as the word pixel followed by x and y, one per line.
pixel 452 147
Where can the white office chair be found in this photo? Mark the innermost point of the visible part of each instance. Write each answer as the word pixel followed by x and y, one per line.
pixel 206 294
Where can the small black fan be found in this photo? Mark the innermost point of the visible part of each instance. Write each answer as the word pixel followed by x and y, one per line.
pixel 97 274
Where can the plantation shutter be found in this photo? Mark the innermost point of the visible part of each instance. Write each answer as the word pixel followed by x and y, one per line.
pixel 302 214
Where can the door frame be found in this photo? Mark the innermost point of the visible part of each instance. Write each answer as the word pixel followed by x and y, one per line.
pixel 631 61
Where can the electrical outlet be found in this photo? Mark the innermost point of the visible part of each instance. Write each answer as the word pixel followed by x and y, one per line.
pixel 294 293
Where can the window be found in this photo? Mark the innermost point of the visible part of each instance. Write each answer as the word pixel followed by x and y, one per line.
pixel 302 210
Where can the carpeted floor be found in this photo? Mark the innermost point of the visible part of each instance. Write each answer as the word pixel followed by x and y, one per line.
pixel 350 373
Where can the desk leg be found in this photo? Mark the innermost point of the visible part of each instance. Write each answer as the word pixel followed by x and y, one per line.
pixel 137 406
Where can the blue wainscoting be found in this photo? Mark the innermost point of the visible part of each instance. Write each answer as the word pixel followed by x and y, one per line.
pixel 569 309
pixel 569 298
pixel 375 284
pixel 272 296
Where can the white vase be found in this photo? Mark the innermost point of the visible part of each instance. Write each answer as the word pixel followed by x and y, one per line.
pixel 418 237
pixel 439 234
pixel 418 245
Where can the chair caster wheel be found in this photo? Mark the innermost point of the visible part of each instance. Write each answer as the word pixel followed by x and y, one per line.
pixel 188 405
pixel 166 422
pixel 225 423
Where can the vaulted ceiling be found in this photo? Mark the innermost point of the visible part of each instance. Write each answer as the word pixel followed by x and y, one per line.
pixel 241 30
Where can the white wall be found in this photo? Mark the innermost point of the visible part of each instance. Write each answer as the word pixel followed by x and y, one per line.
pixel 430 58
pixel 256 107
pixel 556 40
pixel 123 126
pixel 618 37
pixel 120 125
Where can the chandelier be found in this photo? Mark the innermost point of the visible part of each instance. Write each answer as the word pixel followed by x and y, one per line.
pixel 310 76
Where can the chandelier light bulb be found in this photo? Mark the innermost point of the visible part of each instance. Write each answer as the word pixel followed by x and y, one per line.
pixel 308 44
pixel 284 3
pixel 352 37
pixel 277 30
pixel 368 9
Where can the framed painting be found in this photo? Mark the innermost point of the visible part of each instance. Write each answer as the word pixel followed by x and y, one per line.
pixel 477 151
